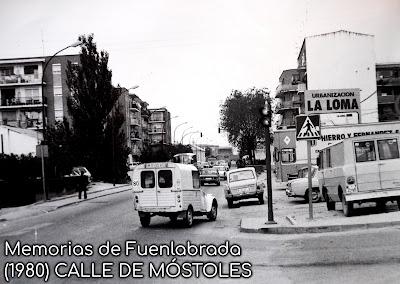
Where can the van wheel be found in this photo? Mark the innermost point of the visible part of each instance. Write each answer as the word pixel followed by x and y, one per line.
pixel 230 203
pixel 145 220
pixel 381 206
pixel 173 218
pixel 347 207
pixel 212 215
pixel 189 217
pixel 330 205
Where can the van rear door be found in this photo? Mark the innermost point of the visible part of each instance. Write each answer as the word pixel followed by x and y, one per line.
pixel 389 163
pixel 148 198
pixel 367 168
pixel 166 197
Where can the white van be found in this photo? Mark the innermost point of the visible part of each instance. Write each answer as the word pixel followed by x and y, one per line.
pixel 360 169
pixel 171 190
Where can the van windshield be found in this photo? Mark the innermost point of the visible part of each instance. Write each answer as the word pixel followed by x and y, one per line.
pixel 242 175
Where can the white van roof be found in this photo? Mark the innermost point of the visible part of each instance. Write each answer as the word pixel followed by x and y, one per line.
pixel 163 165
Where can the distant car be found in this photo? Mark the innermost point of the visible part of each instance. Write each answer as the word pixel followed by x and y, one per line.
pixel 221 171
pixel 77 171
pixel 299 187
pixel 209 175
pixel 243 184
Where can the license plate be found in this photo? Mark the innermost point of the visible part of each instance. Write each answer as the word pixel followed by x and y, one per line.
pixel 208 178
pixel 244 190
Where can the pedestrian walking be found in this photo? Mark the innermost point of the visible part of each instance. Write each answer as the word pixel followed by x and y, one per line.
pixel 82 185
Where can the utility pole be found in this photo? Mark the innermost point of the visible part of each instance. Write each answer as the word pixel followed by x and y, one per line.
pixel 266 120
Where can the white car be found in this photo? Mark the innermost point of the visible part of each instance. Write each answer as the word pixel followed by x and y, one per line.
pixel 243 184
pixel 299 187
pixel 222 171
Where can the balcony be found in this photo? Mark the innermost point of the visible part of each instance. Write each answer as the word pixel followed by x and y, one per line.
pixel 18 80
pixel 386 99
pixel 285 88
pixel 156 131
pixel 134 106
pixel 135 136
pixel 22 102
pixel 385 81
pixel 34 124
pixel 284 106
pixel 135 121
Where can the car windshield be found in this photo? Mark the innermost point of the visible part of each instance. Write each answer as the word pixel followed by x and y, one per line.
pixel 242 175
pixel 313 171
pixel 209 172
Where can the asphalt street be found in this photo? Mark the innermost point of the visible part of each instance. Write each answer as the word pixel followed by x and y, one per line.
pixel 364 256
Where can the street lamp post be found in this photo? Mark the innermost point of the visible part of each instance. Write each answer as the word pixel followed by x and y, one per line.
pixel 183 133
pixel 177 128
pixel 44 141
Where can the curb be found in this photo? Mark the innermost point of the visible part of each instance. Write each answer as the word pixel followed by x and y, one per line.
pixel 94 197
pixel 315 229
pixel 70 195
pixel 73 202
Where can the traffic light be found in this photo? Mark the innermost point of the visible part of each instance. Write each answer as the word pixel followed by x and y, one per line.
pixel 265 115
pixel 201 134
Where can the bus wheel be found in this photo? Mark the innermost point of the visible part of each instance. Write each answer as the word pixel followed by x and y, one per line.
pixel 189 217
pixel 347 207
pixel 145 220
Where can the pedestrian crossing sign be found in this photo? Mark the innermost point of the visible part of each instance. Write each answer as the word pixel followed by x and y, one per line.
pixel 307 127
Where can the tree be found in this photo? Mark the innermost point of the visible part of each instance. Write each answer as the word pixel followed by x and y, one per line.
pixel 96 117
pixel 240 119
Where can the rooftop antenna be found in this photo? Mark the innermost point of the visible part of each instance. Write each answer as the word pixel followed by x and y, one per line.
pixel 41 33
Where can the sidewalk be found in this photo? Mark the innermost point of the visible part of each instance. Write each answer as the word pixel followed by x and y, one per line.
pixel 294 219
pixel 95 190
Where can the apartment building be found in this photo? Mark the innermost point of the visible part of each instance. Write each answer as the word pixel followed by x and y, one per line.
pixel 21 85
pixel 159 126
pixel 388 88
pixel 337 60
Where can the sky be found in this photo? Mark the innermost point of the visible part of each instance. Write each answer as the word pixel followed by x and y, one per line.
pixel 188 55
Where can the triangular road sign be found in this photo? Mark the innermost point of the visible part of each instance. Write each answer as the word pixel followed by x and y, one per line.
pixel 308 130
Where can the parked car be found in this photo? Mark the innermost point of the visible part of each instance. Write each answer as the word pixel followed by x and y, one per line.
pixel 209 175
pixel 222 171
pixel 299 187
pixel 243 184
pixel 77 171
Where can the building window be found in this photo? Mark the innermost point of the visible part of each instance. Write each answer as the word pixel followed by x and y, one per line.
pixel 288 155
pixel 6 71
pixel 30 69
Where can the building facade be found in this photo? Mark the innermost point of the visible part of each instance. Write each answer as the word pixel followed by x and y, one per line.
pixel 337 60
pixel 159 126
pixel 21 90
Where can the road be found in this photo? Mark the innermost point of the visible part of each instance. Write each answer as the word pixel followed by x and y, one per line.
pixel 365 256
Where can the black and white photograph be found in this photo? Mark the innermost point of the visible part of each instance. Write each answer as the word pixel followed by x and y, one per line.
pixel 200 141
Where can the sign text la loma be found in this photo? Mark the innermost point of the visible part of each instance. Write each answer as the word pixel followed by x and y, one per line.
pixel 332 101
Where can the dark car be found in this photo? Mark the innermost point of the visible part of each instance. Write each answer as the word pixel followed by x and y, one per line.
pixel 209 175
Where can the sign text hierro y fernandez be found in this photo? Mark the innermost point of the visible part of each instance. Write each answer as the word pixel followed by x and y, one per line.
pixel 331 101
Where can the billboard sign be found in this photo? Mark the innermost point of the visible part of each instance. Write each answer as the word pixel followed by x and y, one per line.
pixel 332 101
